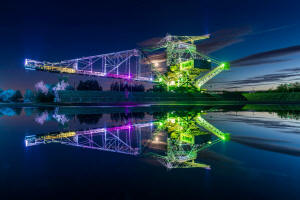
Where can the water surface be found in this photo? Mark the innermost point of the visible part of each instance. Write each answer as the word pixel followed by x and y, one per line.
pixel 150 152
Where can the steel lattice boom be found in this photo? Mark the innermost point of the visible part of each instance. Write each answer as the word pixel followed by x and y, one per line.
pixel 203 123
pixel 202 80
pixel 123 139
pixel 121 65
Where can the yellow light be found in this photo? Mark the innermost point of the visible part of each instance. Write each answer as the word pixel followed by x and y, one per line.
pixel 172 83
pixel 156 64
pixel 60 135
pixel 60 69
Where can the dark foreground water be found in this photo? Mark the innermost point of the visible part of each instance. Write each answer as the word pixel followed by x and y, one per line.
pixel 150 153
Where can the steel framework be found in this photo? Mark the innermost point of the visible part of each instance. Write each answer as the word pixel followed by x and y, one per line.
pixel 182 49
pixel 121 65
pixel 128 64
pixel 127 139
pixel 201 81
pixel 209 127
pixel 123 139
pixel 183 153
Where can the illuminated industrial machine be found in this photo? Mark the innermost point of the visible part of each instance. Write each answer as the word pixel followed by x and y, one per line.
pixel 185 64
pixel 182 149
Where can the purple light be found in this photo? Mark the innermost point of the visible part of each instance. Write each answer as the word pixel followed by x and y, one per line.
pixel 129 77
pixel 125 127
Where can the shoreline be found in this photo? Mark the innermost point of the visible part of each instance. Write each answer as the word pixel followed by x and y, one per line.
pixel 140 104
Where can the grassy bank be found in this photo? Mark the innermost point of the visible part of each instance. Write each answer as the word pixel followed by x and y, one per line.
pixel 144 97
pixel 94 98
pixel 117 97
pixel 278 97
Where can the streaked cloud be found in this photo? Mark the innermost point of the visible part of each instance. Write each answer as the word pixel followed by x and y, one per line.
pixel 279 76
pixel 150 42
pixel 296 69
pixel 266 57
pixel 223 38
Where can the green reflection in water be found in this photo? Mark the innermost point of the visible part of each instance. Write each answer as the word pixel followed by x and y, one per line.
pixel 182 129
pixel 184 135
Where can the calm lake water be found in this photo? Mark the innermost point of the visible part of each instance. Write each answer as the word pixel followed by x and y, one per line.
pixel 150 152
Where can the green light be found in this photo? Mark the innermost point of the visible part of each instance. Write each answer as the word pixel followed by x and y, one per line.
pixel 226 66
pixel 181 132
pixel 186 65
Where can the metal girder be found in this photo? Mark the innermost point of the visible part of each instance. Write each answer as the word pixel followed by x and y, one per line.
pixel 121 65
pixel 180 39
pixel 181 48
pixel 123 139
pixel 205 124
pixel 204 79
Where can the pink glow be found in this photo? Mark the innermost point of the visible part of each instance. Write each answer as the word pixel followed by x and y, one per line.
pixel 129 77
pixel 125 127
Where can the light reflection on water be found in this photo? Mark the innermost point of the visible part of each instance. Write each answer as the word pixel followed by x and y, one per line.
pixel 217 148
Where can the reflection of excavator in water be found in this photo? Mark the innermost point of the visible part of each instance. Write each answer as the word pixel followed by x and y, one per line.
pixel 121 139
pixel 186 135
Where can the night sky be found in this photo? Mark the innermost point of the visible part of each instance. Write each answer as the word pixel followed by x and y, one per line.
pixel 260 38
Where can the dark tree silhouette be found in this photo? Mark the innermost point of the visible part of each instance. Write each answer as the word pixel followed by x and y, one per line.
pixel 291 87
pixel 43 98
pixel 89 118
pixel 17 97
pixel 89 85
pixel 121 87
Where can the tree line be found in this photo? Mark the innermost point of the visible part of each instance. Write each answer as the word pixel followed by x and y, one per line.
pixel 121 87
pixel 10 95
pixel 288 87
pixel 47 92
